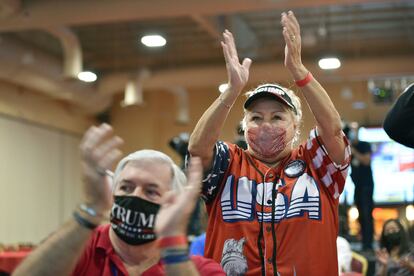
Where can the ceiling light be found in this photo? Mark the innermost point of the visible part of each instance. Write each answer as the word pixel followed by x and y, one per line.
pixel 223 87
pixel 133 93
pixel 329 63
pixel 87 76
pixel 153 41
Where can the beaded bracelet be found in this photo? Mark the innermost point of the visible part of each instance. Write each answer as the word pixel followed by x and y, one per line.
pixel 305 81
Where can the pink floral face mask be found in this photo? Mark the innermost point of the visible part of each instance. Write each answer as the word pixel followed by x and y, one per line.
pixel 266 141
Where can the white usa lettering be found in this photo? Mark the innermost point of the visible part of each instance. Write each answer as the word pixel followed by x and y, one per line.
pixel 239 203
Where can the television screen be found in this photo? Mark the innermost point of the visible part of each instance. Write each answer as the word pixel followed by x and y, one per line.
pixel 392 168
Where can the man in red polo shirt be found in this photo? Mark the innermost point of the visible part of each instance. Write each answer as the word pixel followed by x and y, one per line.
pixel 151 205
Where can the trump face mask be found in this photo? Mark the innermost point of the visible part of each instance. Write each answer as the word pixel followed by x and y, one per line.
pixel 133 219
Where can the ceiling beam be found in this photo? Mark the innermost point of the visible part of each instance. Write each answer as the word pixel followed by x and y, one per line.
pixel 72 50
pixel 40 14
pixel 211 76
pixel 9 7
pixel 32 68
pixel 207 25
pixel 245 37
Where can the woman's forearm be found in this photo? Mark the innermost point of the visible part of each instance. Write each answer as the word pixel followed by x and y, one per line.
pixel 319 102
pixel 325 113
pixel 208 128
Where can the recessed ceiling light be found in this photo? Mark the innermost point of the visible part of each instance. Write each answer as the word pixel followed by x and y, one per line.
pixel 153 41
pixel 223 87
pixel 87 76
pixel 329 63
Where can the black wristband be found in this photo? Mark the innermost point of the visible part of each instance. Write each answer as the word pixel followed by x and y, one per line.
pixel 83 222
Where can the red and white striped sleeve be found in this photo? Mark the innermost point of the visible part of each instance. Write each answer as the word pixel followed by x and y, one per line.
pixel 329 174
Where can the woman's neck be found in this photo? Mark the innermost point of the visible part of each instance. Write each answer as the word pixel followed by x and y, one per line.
pixel 271 163
pixel 145 255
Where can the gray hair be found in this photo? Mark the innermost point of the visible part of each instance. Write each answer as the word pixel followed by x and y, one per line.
pixel 179 180
pixel 296 117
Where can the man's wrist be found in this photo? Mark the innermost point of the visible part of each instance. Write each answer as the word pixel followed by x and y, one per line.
pixel 172 241
pixel 83 222
pixel 91 213
pixel 171 233
pixel 98 208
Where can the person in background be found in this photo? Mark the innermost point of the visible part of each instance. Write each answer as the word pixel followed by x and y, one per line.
pixel 396 254
pixel 240 140
pixel 179 144
pixel 398 123
pixel 151 204
pixel 273 208
pixel 361 175
pixel 198 245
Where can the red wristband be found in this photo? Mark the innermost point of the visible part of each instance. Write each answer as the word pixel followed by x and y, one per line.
pixel 172 241
pixel 305 81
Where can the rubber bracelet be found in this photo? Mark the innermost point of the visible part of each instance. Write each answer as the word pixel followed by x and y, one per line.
pixel 84 222
pixel 305 81
pixel 174 259
pixel 172 241
pixel 173 251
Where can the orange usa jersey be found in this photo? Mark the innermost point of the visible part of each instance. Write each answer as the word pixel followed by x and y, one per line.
pixel 274 221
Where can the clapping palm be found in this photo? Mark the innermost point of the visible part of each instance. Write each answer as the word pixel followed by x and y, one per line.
pixel 382 256
pixel 238 74
pixel 176 209
pixel 291 34
pixel 99 152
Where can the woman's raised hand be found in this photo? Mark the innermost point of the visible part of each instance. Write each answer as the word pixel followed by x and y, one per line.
pixel 291 34
pixel 237 73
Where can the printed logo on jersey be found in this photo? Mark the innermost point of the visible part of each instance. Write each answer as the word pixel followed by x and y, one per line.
pixel 241 201
pixel 264 194
pixel 295 168
pixel 237 200
pixel 233 261
pixel 305 198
